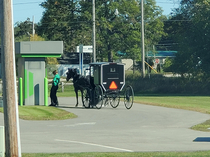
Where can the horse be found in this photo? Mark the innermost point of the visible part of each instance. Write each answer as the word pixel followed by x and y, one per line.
pixel 80 82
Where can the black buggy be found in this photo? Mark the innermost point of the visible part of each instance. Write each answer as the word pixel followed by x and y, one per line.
pixel 109 80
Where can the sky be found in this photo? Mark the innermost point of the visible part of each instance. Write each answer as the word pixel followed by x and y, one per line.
pixel 23 9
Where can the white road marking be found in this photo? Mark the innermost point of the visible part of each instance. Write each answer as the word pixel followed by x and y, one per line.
pixel 77 124
pixel 92 144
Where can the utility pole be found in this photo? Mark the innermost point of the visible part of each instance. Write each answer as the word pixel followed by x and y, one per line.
pixel 33 30
pixel 142 38
pixel 94 33
pixel 9 80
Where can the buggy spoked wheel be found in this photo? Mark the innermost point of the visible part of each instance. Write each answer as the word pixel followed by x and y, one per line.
pixel 98 97
pixel 115 100
pixel 86 98
pixel 128 97
pixel 106 101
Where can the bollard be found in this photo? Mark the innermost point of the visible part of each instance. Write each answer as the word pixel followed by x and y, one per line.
pixel 45 91
pixel 21 91
pixel 2 142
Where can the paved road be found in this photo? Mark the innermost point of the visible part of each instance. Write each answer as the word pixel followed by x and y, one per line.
pixel 142 128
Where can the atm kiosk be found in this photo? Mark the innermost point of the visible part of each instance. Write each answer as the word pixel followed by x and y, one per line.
pixel 30 57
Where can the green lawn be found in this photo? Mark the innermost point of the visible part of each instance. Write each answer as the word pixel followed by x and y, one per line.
pixel 68 91
pixel 194 103
pixel 43 113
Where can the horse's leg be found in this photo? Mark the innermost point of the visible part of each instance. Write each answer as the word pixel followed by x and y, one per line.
pixel 76 91
pixel 82 96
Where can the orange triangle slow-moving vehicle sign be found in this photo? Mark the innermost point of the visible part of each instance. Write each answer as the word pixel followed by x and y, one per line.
pixel 113 85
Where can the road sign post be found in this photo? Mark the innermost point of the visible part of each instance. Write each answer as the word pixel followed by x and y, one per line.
pixel 81 59
pixel 81 50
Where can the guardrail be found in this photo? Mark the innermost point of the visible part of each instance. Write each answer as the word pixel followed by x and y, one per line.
pixel 62 85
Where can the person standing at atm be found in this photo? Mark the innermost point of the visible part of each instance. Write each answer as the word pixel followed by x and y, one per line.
pixel 55 82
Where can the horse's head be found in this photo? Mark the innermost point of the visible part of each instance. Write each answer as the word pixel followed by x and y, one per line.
pixel 71 74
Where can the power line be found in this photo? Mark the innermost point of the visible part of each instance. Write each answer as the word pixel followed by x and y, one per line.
pixel 41 2
pixel 26 3
pixel 167 2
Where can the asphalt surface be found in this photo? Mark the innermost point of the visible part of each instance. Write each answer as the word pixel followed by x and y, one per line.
pixel 142 128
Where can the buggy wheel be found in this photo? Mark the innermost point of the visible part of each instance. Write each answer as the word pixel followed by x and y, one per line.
pixel 86 98
pixel 106 101
pixel 128 97
pixel 115 100
pixel 98 97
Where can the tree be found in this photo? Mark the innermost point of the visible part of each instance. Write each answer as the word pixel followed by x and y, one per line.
pixel 122 31
pixel 190 29
pixel 118 31
pixel 60 22
pixel 23 30
pixel 71 21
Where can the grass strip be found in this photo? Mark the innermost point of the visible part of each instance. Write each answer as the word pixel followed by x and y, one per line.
pixel 43 113
pixel 193 103
pixel 124 154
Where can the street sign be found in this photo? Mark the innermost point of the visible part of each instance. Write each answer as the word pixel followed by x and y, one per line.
pixel 86 49
pixel 83 49
pixel 157 61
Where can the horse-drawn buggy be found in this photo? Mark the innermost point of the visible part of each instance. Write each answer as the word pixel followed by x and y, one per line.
pixel 103 85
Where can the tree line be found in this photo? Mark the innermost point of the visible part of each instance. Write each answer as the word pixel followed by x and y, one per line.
pixel 118 28
pixel 118 25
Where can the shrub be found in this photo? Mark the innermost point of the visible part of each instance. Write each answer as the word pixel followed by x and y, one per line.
pixel 158 84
